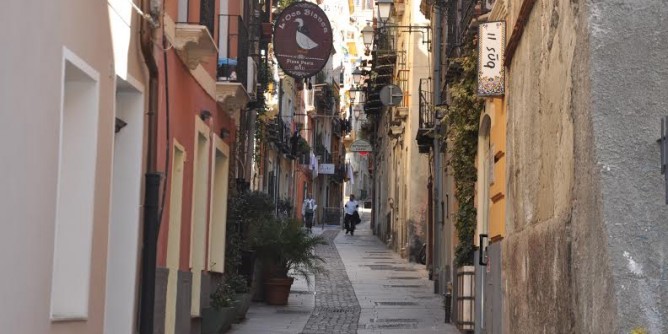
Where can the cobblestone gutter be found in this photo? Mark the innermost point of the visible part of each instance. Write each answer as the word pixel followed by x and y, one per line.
pixel 336 307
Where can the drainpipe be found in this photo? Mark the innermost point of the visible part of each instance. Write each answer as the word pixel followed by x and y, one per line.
pixel 438 262
pixel 152 178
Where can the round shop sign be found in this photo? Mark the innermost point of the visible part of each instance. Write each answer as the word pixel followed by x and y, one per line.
pixel 302 40
pixel 361 145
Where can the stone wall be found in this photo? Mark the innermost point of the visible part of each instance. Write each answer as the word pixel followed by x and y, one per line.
pixel 545 79
pixel 629 81
pixel 585 251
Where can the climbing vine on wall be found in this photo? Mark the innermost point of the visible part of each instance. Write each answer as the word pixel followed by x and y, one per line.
pixel 462 134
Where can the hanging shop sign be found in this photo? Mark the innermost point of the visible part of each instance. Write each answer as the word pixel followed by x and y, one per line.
pixel 491 72
pixel 326 169
pixel 360 146
pixel 302 40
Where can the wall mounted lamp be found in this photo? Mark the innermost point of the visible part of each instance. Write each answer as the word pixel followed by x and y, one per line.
pixel 119 124
pixel 367 36
pixel 356 112
pixel 204 115
pixel 224 133
pixel 384 10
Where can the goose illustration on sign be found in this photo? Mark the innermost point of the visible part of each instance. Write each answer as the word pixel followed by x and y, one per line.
pixel 302 40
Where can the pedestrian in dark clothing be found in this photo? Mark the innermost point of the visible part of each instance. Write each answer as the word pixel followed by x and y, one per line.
pixel 350 210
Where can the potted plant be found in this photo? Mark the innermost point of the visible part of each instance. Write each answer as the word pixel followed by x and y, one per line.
pixel 245 212
pixel 286 249
pixel 242 297
pixel 222 313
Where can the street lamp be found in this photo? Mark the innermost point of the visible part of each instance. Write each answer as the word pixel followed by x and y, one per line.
pixel 384 8
pixel 357 76
pixel 357 85
pixel 356 112
pixel 367 36
pixel 386 30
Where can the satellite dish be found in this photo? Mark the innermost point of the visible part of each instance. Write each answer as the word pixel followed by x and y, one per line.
pixel 391 95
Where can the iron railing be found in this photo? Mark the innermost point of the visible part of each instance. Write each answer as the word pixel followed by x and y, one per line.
pixel 426 116
pixel 232 50
pixel 207 15
pixel 452 40
pixel 467 11
pixel 336 127
pixel 324 99
pixel 386 39
pixel 279 133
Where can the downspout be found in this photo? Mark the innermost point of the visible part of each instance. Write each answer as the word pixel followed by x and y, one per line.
pixel 152 177
pixel 438 262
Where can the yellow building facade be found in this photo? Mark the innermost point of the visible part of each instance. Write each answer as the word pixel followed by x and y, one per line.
pixel 491 165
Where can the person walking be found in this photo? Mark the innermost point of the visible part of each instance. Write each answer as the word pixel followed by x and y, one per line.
pixel 349 220
pixel 308 210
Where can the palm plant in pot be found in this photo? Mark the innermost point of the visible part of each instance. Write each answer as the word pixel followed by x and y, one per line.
pixel 286 249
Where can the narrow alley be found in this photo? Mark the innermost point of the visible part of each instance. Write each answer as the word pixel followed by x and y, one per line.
pixel 367 289
pixel 185 167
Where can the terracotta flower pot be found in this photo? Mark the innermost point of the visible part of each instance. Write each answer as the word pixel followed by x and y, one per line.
pixel 277 290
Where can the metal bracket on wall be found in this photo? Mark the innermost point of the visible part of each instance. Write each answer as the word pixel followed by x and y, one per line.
pixel 663 142
pixel 482 254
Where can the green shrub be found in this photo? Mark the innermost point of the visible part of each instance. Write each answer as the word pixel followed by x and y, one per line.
pixel 462 133
pixel 222 296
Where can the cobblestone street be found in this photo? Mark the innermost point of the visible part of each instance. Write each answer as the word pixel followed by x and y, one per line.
pixel 368 289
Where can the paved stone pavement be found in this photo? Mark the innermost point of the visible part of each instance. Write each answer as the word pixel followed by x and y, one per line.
pixel 391 296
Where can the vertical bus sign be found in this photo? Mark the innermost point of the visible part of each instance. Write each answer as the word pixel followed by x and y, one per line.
pixel 491 72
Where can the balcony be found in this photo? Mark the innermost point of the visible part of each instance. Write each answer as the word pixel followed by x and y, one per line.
pixel 193 43
pixel 323 99
pixel 322 152
pixel 426 120
pixel 232 89
pixel 401 112
pixel 278 133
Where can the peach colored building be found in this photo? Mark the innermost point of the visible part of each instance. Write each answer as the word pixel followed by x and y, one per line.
pixel 71 118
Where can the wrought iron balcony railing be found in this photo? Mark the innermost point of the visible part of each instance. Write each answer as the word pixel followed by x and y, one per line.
pixel 207 14
pixel 323 99
pixel 233 50
pixel 426 108
pixel 278 132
